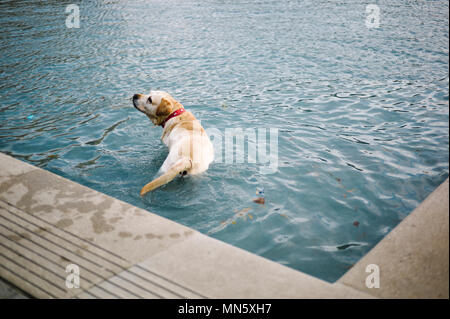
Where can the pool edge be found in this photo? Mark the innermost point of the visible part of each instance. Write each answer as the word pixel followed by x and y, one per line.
pixel 413 259
pixel 145 247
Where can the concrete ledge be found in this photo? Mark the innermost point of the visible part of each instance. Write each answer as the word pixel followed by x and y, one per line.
pixel 413 258
pixel 48 222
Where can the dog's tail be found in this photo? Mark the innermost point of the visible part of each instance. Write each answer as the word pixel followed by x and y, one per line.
pixel 179 167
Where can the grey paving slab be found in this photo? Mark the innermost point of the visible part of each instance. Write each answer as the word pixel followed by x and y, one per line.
pixel 48 222
pixel 217 270
pixel 10 167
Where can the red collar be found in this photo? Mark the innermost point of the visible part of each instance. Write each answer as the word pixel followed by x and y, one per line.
pixel 173 114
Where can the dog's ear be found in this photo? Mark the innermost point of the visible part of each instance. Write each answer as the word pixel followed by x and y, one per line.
pixel 164 108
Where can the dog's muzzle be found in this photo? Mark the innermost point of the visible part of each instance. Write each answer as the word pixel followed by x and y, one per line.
pixel 135 98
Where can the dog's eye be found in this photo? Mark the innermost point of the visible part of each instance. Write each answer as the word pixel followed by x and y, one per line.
pixel 150 99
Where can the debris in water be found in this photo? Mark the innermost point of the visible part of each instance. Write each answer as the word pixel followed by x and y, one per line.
pixel 259 200
pixel 356 223
pixel 260 191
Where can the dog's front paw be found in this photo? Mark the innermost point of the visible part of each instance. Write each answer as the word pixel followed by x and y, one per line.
pixel 143 191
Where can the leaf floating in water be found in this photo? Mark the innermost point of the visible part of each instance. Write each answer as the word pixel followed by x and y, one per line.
pixel 259 200
pixel 233 222
pixel 250 216
pixel 356 223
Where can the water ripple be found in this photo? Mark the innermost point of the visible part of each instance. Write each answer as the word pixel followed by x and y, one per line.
pixel 362 113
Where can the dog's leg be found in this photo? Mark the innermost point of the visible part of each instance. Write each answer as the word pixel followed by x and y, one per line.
pixel 182 165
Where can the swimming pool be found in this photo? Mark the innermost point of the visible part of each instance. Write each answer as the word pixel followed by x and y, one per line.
pixel 361 113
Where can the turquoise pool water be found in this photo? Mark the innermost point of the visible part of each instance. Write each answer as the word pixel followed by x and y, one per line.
pixel 362 114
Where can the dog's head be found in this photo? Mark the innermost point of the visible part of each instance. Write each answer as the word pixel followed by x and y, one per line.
pixel 157 105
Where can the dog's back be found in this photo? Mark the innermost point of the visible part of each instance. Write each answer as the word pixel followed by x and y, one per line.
pixel 190 149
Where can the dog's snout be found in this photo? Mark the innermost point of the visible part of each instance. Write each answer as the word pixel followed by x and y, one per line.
pixel 135 98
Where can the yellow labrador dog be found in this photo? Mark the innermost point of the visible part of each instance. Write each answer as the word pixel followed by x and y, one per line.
pixel 190 149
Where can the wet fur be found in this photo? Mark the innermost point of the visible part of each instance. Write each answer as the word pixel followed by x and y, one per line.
pixel 190 149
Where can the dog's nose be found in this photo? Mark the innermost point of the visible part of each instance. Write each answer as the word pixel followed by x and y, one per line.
pixel 135 98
